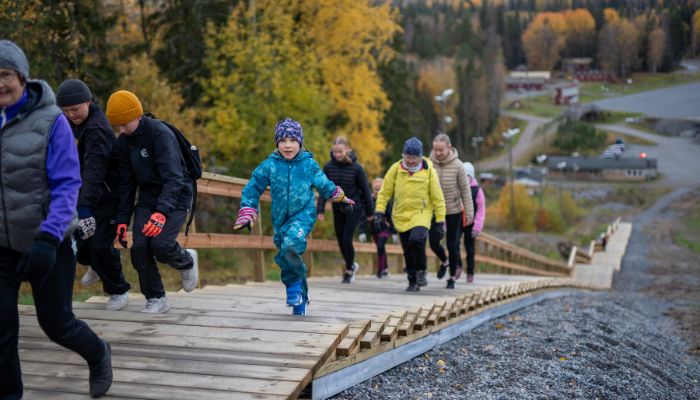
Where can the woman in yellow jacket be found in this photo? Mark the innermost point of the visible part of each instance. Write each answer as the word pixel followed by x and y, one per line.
pixel 415 188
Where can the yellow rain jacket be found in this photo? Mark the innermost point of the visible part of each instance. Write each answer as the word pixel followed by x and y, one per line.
pixel 416 196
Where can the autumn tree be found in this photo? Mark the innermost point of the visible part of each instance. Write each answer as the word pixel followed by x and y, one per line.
pixel 62 40
pixel 580 32
pixel 543 41
pixel 350 39
pixel 617 44
pixel 260 74
pixel 525 208
pixel 695 33
pixel 655 53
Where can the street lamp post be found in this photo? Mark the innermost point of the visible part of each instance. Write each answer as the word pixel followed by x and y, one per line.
pixel 442 99
pixel 508 135
pixel 476 143
pixel 561 167
pixel 575 167
pixel 541 160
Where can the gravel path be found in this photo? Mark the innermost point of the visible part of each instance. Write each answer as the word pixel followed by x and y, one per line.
pixel 618 344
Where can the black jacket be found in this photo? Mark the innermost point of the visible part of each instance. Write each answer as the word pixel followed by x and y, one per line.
pixel 351 177
pixel 150 160
pixel 99 165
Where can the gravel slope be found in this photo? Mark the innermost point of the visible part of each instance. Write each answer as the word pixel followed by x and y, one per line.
pixel 618 344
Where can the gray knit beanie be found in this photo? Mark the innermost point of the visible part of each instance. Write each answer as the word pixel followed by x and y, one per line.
pixel 12 57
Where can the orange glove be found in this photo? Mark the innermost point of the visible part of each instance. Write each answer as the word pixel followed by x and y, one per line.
pixel 155 225
pixel 121 235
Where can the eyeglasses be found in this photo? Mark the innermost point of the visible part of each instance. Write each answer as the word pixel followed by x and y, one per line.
pixel 7 76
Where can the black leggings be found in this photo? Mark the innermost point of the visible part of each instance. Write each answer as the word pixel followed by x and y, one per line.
pixel 345 224
pixel 470 247
pixel 453 230
pixel 413 244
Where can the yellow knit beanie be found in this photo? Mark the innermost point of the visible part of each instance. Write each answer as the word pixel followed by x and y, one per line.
pixel 123 107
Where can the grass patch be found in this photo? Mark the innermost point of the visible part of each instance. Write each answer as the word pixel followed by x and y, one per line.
pixel 540 106
pixel 641 82
pixel 692 245
pixel 629 139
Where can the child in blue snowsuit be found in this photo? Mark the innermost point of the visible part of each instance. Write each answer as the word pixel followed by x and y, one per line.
pixel 292 174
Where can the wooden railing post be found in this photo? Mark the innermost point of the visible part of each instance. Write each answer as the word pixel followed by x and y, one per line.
pixel 258 255
pixel 308 258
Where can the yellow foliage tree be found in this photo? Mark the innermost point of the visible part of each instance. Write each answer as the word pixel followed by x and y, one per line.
pixel 350 38
pixel 695 31
pixel 580 31
pixel 618 44
pixel 655 54
pixel 141 76
pixel 543 41
pixel 525 208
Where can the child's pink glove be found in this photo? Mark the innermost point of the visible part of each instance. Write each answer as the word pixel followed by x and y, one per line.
pixel 246 218
pixel 339 197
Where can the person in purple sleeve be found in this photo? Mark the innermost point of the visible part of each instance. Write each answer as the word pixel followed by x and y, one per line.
pixel 39 185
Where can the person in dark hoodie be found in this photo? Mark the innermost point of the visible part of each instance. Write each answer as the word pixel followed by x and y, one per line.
pixel 39 185
pixel 150 161
pixel 344 170
pixel 98 199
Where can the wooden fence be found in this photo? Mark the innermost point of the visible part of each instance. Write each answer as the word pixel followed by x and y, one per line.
pixel 503 256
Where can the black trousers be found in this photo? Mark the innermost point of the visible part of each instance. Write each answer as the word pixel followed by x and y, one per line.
pixel 54 311
pixel 469 245
pixel 413 245
pixel 164 248
pixel 453 231
pixel 99 253
pixel 345 224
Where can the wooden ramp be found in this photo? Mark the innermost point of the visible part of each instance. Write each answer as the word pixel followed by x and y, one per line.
pixel 240 341
pixel 598 272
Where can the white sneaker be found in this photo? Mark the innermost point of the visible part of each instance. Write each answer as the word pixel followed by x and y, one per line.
pixel 156 305
pixel 90 278
pixel 190 277
pixel 117 301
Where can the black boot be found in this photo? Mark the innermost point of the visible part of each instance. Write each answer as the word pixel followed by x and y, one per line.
pixel 422 278
pixel 413 287
pixel 442 270
pixel 450 284
pixel 101 374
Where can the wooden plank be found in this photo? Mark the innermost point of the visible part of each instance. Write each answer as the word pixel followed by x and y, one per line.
pixel 279 348
pixel 186 331
pixel 136 391
pixel 277 325
pixel 171 379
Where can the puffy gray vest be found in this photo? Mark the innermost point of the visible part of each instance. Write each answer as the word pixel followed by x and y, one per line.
pixel 24 187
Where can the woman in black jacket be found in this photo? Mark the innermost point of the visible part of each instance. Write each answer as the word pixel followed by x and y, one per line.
pixel 344 170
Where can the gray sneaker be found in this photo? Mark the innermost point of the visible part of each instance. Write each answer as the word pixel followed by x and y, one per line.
pixel 117 301
pixel 190 277
pixel 90 278
pixel 156 305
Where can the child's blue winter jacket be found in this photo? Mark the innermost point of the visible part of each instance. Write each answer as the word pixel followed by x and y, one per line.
pixel 291 185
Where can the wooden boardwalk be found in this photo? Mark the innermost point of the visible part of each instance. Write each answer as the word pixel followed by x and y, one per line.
pixel 240 341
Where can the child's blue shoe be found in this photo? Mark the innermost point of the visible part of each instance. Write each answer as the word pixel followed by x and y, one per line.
pixel 301 308
pixel 294 297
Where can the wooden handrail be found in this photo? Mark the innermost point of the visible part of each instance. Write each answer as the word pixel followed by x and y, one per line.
pixel 512 257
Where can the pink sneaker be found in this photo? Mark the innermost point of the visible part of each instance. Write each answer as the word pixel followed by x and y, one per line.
pixel 470 278
pixel 458 273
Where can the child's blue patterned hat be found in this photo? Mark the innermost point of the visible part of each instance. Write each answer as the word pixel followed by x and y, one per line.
pixel 289 128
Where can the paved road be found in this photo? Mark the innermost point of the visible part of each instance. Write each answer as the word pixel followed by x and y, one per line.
pixel 682 101
pixel 527 142
pixel 678 158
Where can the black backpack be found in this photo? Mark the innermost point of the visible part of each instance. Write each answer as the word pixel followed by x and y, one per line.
pixel 190 155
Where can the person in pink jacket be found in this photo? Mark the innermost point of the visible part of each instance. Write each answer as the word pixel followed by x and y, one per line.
pixel 473 230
